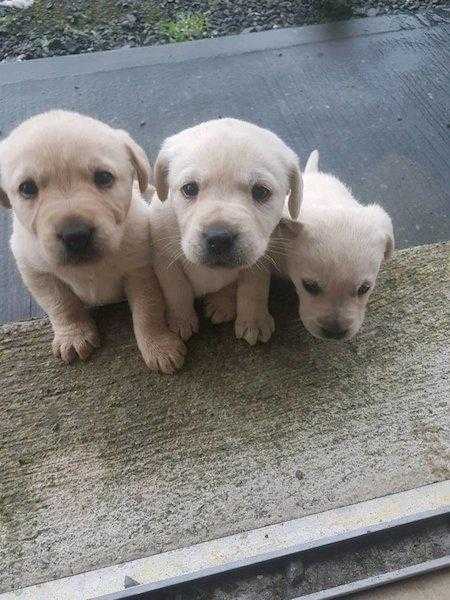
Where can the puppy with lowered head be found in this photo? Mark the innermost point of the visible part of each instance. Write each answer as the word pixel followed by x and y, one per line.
pixel 333 253
pixel 81 230
pixel 221 189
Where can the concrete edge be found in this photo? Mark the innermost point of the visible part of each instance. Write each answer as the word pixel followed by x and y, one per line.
pixel 223 554
pixel 122 58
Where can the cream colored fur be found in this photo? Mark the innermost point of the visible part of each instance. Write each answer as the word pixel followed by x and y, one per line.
pixel 225 158
pixel 337 244
pixel 60 151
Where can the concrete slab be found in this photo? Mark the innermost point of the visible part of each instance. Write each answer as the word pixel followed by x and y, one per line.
pixel 104 463
pixel 216 556
pixel 372 94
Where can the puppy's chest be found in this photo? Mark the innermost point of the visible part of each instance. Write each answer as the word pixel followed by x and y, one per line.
pixel 206 281
pixel 96 287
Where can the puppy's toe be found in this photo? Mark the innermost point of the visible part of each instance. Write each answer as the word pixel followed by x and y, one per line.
pixel 266 328
pixel 220 310
pixel 64 351
pixel 251 335
pixel 164 354
pixel 75 341
pixel 256 329
pixel 183 325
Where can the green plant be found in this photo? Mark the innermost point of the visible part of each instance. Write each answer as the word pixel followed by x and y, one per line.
pixel 185 27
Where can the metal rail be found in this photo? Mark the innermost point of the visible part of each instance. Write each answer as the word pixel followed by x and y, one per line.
pixel 133 588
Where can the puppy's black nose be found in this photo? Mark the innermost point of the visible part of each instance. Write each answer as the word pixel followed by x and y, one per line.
pixel 334 332
pixel 219 240
pixel 76 237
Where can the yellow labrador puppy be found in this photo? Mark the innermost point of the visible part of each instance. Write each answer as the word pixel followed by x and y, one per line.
pixel 332 254
pixel 221 187
pixel 81 231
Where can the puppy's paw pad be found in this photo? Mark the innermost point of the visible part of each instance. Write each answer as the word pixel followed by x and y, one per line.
pixel 165 353
pixel 220 309
pixel 183 325
pixel 259 328
pixel 75 341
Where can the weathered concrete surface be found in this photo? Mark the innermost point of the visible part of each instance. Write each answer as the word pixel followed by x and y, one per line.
pixel 105 462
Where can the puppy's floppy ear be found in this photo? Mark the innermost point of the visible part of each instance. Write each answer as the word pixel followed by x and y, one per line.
pixel 138 159
pixel 296 189
pixel 385 223
pixel 4 200
pixel 161 175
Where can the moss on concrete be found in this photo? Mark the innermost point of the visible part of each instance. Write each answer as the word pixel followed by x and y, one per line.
pixel 185 27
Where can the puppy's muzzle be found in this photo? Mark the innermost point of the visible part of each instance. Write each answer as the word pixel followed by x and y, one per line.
pixel 220 247
pixel 333 330
pixel 78 240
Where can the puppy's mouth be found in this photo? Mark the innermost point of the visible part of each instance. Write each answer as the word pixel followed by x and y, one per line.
pixel 224 264
pixel 232 259
pixel 84 258
pixel 330 335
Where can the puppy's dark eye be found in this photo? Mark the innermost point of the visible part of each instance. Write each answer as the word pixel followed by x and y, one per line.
pixel 260 193
pixel 312 287
pixel 363 289
pixel 103 179
pixel 28 189
pixel 190 190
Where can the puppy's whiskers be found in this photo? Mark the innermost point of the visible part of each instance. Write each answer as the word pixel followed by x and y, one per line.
pixel 279 251
pixel 284 251
pixel 174 259
pixel 271 261
pixel 169 247
pixel 260 266
pixel 174 256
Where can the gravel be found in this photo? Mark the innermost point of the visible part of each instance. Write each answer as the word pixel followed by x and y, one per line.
pixel 49 28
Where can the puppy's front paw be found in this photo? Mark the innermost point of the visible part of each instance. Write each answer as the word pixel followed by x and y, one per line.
pixel 257 328
pixel 75 340
pixel 183 325
pixel 220 308
pixel 164 352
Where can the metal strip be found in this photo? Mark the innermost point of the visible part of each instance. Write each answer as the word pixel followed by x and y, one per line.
pixel 259 545
pixel 268 556
pixel 379 580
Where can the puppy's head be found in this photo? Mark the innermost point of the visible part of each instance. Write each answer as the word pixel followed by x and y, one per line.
pixel 69 180
pixel 333 260
pixel 227 181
